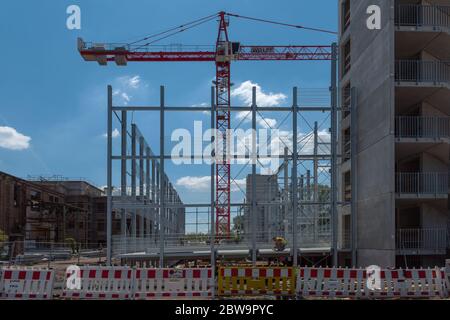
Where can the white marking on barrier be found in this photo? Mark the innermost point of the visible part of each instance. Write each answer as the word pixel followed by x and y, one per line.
pixel 169 283
pixel 338 282
pixel 106 283
pixel 26 284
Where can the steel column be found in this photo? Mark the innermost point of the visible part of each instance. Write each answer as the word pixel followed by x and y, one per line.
pixel 141 185
pixel 294 177
pixel 109 181
pixel 316 178
pixel 286 192
pixel 162 187
pixel 147 193
pixel 154 201
pixel 333 91
pixel 213 168
pixel 254 218
pixel 133 185
pixel 123 175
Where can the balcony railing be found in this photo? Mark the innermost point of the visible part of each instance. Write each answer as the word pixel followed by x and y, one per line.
pixel 422 239
pixel 422 71
pixel 422 15
pixel 422 127
pixel 420 183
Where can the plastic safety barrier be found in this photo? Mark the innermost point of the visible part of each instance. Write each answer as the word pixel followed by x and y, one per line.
pixel 348 283
pixel 447 278
pixel 26 284
pixel 106 283
pixel 240 281
pixel 173 283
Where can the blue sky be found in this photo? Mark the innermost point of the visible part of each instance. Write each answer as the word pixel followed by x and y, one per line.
pixel 53 104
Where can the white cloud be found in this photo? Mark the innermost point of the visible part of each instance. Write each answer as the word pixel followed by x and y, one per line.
pixel 203 104
pixel 126 84
pixel 305 142
pixel 244 93
pixel 133 82
pixel 203 183
pixel 125 97
pixel 115 134
pixel 13 140
pixel 267 123
pixel 195 183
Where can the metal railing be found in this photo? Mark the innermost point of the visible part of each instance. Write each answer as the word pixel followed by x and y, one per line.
pixel 186 243
pixel 422 71
pixel 31 252
pixel 422 127
pixel 421 183
pixel 422 239
pixel 422 15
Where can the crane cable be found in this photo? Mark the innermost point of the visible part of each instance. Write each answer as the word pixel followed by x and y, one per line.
pixel 201 20
pixel 282 24
pixel 175 32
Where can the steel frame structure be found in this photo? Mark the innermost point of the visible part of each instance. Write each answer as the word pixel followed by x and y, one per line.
pixel 225 52
pixel 162 204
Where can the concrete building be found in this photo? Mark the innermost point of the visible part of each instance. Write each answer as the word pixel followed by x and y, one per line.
pixel 52 210
pixel 269 222
pixel 43 211
pixel 401 129
pixel 79 194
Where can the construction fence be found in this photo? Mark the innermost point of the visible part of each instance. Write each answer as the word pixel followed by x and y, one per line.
pixel 126 283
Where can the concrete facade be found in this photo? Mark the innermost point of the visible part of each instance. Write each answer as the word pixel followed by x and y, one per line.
pixel 401 171
pixel 269 223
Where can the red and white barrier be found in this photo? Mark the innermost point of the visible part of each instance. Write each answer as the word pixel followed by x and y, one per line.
pixel 173 283
pixel 26 284
pixel 352 283
pixel 104 283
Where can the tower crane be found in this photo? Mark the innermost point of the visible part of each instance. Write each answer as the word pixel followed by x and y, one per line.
pixel 222 55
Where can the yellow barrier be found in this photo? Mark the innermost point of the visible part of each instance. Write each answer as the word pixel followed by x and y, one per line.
pixel 240 281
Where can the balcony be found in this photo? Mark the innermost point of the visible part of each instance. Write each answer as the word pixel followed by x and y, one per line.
pixel 417 16
pixel 423 185
pixel 422 241
pixel 422 127
pixel 422 71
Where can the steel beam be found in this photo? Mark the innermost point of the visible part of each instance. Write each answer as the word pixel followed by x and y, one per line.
pixel 232 109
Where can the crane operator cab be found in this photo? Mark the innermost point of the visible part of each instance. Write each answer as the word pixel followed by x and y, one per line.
pixel 227 51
